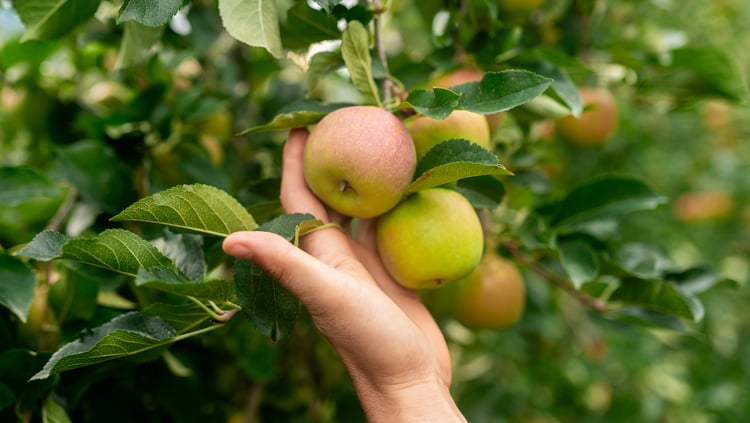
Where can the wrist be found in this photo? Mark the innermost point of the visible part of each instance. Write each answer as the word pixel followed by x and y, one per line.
pixel 427 400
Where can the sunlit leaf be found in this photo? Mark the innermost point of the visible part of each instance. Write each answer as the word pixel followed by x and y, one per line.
pixel 253 22
pixel 149 13
pixel 355 49
pixel 298 114
pixel 117 250
pixel 453 160
pixel 50 19
pixel 500 91
pixel 437 103
pixel 139 43
pixel 125 335
pixel 201 208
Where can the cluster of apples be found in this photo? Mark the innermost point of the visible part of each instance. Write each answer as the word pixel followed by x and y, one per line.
pixel 359 161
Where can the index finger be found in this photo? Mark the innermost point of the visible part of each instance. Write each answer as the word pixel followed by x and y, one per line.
pixel 329 245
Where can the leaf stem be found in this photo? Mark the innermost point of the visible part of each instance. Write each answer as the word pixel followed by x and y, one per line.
pixel 561 282
pixel 214 315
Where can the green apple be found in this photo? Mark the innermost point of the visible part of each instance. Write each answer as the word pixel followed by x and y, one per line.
pixel 428 132
pixel 431 238
pixel 358 160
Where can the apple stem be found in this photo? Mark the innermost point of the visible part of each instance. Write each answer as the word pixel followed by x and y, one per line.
pixel 344 186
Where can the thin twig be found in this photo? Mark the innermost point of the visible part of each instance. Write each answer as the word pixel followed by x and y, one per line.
pixel 558 280
pixel 380 48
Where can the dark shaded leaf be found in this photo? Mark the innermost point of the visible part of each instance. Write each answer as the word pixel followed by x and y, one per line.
pixel 17 283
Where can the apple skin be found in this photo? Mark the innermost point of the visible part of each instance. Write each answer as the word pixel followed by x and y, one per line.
pixel 428 132
pixel 700 206
pixel 493 296
pixel 358 160
pixel 431 238
pixel 597 123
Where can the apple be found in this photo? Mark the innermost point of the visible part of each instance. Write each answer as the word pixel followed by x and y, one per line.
pixel 493 296
pixel 428 132
pixel 431 238
pixel 358 160
pixel 699 206
pixel 597 123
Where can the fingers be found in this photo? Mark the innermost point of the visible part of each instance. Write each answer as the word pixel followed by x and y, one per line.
pixel 329 245
pixel 304 276
pixel 295 196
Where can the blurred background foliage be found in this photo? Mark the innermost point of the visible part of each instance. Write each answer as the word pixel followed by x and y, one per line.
pixel 113 124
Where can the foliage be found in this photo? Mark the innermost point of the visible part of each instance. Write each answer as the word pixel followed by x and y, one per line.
pixel 135 135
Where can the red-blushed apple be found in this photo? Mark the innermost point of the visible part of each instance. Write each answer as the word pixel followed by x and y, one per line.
pixel 431 238
pixel 428 132
pixel 358 160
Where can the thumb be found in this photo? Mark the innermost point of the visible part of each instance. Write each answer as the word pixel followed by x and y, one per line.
pixel 300 273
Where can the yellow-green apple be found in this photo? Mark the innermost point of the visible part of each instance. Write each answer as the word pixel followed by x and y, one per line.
pixel 358 160
pixel 596 124
pixel 492 296
pixel 428 132
pixel 431 238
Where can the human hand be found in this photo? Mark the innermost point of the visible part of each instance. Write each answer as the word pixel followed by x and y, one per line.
pixel 389 342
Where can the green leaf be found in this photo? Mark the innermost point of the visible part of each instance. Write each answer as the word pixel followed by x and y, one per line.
pixel 437 103
pixel 17 283
pixel 482 191
pixel 97 173
pixel 139 43
pixel 149 13
pixel 305 26
pixel 7 397
pixel 641 260
pixel 696 280
pixel 606 198
pixel 117 250
pixel 52 412
pixel 50 19
pixel 186 251
pixel 125 335
pixel 298 114
pixel 709 70
pixel 500 91
pixel 655 295
pixel 580 261
pixel 452 160
pixel 200 208
pixel 45 246
pixel 648 318
pixel 19 185
pixel 167 281
pixel 269 307
pixel 320 64
pixel 253 22
pixel 562 85
pixel 355 49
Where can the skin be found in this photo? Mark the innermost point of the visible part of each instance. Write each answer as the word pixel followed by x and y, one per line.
pixel 431 238
pixel 492 296
pixel 597 123
pixel 359 160
pixel 428 132
pixel 390 344
pixel 703 205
